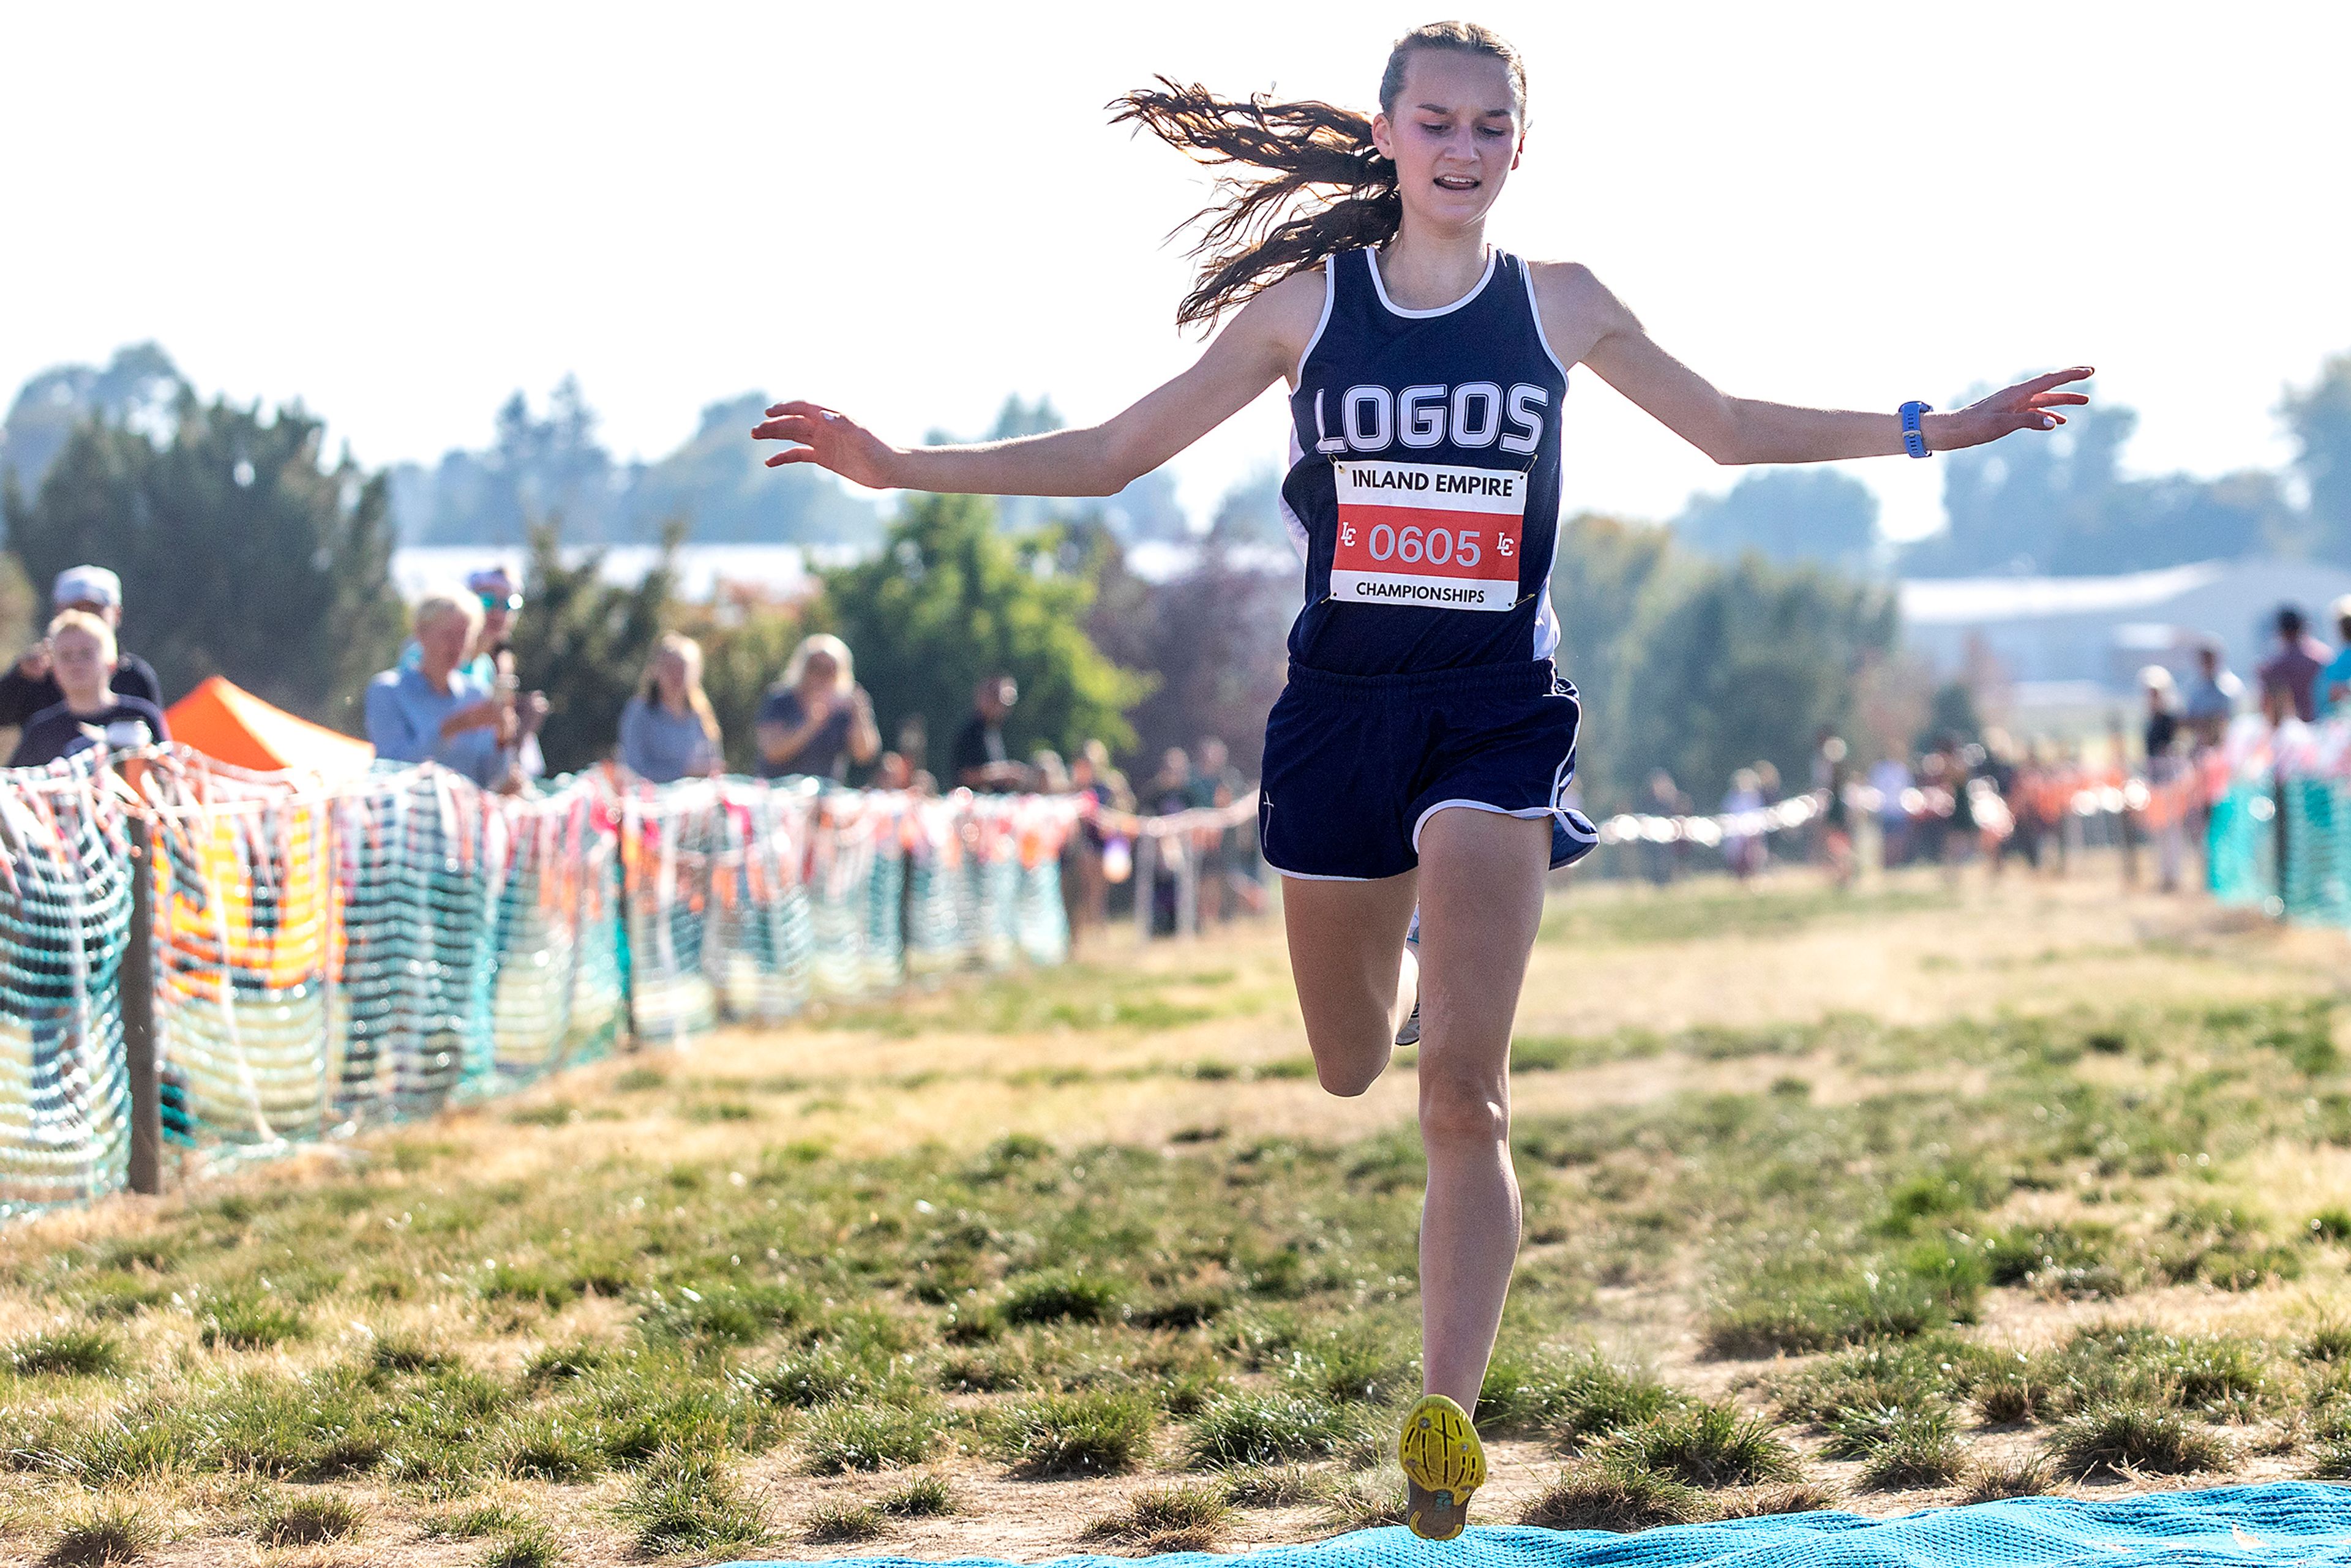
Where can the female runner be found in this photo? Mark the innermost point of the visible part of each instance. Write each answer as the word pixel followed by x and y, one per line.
pixel 1422 749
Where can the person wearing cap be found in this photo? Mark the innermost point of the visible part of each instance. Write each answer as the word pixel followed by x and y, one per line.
pixel 32 686
pixel 493 667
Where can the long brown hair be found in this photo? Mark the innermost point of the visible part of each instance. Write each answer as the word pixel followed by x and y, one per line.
pixel 1326 187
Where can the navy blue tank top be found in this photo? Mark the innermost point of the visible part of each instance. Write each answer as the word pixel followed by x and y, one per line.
pixel 1424 479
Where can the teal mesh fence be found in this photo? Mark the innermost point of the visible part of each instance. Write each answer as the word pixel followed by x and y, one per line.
pixel 64 910
pixel 330 955
pixel 2224 1527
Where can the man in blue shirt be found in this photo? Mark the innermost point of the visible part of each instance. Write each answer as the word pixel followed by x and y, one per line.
pixel 436 709
pixel 2335 681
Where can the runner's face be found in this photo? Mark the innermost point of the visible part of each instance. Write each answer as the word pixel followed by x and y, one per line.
pixel 1454 136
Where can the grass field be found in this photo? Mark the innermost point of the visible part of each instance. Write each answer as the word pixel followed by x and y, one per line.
pixel 1872 1201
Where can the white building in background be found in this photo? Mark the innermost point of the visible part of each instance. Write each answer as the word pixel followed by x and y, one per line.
pixel 2067 641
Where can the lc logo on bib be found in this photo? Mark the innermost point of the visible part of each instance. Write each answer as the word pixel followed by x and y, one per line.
pixel 1414 533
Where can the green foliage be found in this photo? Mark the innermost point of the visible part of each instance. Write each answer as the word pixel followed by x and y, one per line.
pixel 1612 1494
pixel 1568 1398
pixel 101 1534
pixel 920 1497
pixel 251 1322
pixel 1254 1428
pixel 67 1352
pixel 1063 1294
pixel 1709 1446
pixel 1076 1434
pixel 842 1437
pixel 684 1500
pixel 831 1523
pixel 1739 663
pixel 949 600
pixel 243 552
pixel 1786 516
pixel 2120 1437
pixel 1181 1517
pixel 585 642
pixel 305 1521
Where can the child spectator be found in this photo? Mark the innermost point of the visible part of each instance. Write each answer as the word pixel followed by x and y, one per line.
pixel 82 659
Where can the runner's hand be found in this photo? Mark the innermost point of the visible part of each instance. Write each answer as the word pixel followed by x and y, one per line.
pixel 2027 405
pixel 830 439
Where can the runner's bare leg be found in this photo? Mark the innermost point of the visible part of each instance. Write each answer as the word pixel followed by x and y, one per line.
pixel 1481 894
pixel 1355 980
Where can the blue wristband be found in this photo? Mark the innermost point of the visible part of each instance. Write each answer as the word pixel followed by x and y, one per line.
pixel 1914 438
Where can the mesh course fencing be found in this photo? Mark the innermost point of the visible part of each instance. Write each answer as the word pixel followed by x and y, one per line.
pixel 2279 837
pixel 323 956
pixel 2220 1527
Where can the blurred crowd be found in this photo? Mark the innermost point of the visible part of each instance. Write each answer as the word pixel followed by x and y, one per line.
pixel 454 699
pixel 2144 786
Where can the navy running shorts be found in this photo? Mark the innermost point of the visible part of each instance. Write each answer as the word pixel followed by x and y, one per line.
pixel 1357 765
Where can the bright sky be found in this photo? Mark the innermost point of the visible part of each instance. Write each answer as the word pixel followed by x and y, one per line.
pixel 402 214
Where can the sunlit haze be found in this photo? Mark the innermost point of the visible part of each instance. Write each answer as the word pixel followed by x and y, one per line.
pixel 401 214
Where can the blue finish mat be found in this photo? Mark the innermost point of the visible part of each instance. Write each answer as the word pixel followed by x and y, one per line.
pixel 2284 1522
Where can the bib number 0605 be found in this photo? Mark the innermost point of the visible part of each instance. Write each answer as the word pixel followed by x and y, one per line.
pixel 1412 543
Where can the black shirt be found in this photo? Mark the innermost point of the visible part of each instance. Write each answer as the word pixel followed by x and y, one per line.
pixel 2162 729
pixel 59 731
pixel 977 745
pixel 21 697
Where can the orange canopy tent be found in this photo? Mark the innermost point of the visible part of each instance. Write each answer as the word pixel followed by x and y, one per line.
pixel 225 722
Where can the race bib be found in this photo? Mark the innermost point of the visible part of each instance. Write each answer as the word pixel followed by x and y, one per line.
pixel 1413 533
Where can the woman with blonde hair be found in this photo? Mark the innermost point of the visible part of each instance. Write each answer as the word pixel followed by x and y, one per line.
pixel 668 731
pixel 817 719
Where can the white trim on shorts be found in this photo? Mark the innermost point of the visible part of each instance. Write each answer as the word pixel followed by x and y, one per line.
pixel 1309 876
pixel 1523 814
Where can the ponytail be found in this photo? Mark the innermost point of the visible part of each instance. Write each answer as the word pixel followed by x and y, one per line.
pixel 1328 188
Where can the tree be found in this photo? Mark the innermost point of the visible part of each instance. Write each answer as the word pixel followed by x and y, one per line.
pixel 1607 582
pixel 1216 637
pixel 1747 664
pixel 1786 515
pixel 584 641
pixel 2058 505
pixel 140 388
pixel 2320 419
pixel 950 599
pixel 242 552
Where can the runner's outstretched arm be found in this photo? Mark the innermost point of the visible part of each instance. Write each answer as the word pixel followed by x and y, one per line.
pixel 1261 346
pixel 1580 312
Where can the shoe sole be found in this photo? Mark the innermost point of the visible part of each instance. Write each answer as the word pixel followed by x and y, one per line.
pixel 1443 1463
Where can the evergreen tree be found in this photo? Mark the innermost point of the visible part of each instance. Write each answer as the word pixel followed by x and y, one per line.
pixel 1786 515
pixel 584 641
pixel 242 552
pixel 2320 419
pixel 950 599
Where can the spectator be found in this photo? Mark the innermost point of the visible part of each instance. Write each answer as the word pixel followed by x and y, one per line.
pixel 1661 855
pixel 668 731
pixel 438 709
pixel 1104 852
pixel 31 686
pixel 82 660
pixel 979 757
pixel 1216 782
pixel 495 663
pixel 2288 677
pixel 2334 682
pixel 1051 774
pixel 816 720
pixel 2166 807
pixel 1832 779
pixel 2212 697
pixel 1742 844
pixel 1891 778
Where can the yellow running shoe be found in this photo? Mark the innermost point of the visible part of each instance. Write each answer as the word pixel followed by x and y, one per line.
pixel 1443 1464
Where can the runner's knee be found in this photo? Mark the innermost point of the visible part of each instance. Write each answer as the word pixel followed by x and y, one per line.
pixel 1461 1108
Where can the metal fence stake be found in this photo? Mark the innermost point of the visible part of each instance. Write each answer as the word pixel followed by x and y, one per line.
pixel 138 1003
